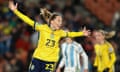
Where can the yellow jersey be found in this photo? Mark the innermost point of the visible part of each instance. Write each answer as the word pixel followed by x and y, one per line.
pixel 48 43
pixel 105 56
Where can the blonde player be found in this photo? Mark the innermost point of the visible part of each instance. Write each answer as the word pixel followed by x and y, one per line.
pixel 47 51
pixel 105 55
pixel 71 52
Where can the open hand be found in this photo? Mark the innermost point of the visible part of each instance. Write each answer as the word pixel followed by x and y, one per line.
pixel 86 70
pixel 86 32
pixel 58 70
pixel 12 6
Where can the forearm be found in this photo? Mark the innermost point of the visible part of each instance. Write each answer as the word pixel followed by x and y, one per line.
pixel 85 60
pixel 24 18
pixel 75 34
pixel 62 62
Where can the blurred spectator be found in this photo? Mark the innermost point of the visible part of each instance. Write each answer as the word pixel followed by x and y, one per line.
pixel 16 33
pixel 13 63
pixel 2 64
pixel 89 24
pixel 5 37
pixel 69 7
pixel 88 46
pixel 78 22
pixel 52 5
pixel 23 43
pixel 34 39
pixel 69 20
pixel 6 27
pixel 13 21
pixel 116 20
pixel 38 19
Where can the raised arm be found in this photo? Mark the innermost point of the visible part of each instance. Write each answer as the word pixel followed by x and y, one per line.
pixel 84 32
pixel 19 14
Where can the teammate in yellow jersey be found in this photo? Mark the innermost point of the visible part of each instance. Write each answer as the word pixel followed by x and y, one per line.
pixel 105 55
pixel 47 51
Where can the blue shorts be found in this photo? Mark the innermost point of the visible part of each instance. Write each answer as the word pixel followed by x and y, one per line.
pixel 41 66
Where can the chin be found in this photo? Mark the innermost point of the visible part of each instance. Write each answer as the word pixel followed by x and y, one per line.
pixel 57 28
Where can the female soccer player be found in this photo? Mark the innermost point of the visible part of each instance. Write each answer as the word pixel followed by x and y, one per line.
pixel 105 55
pixel 47 51
pixel 71 52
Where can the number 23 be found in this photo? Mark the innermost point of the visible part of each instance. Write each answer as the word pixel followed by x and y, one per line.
pixel 50 43
pixel 49 67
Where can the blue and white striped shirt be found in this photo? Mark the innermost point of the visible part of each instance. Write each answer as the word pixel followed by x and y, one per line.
pixel 71 55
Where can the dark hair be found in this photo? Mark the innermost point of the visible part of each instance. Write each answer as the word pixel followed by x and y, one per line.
pixel 45 14
pixel 52 17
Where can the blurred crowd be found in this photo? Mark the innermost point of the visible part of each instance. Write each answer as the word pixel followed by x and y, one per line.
pixel 18 40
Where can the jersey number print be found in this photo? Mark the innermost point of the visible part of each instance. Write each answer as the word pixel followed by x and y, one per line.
pixel 50 43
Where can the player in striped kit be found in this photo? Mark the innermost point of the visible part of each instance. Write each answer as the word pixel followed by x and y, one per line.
pixel 71 52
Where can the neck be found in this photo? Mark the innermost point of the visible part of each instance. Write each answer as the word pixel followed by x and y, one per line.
pixel 102 42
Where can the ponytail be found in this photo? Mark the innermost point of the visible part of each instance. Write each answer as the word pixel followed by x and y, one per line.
pixel 47 15
pixel 107 34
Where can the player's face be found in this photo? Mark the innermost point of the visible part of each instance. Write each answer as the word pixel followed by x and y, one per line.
pixel 99 36
pixel 68 40
pixel 57 22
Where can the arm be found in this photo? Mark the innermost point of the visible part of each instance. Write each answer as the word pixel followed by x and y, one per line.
pixel 61 64
pixel 84 57
pixel 75 34
pixel 85 60
pixel 62 61
pixel 19 14
pixel 84 32
pixel 23 17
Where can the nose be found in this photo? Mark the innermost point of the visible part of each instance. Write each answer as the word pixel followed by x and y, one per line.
pixel 60 24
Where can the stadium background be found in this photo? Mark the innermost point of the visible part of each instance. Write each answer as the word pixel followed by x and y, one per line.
pixel 18 40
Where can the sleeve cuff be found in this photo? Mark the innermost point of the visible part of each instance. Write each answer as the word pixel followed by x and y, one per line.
pixel 15 11
pixel 81 33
